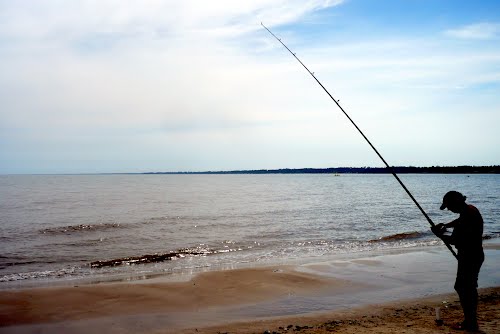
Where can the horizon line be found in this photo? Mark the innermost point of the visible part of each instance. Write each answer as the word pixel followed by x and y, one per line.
pixel 459 169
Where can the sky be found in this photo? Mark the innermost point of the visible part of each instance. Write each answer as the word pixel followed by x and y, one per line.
pixel 105 86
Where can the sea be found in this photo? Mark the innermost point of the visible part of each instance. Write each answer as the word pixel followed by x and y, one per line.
pixel 61 229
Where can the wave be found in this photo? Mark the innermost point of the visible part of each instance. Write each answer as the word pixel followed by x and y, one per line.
pixel 417 235
pixel 399 236
pixel 150 258
pixel 38 274
pixel 5 264
pixel 80 228
pixel 491 235
pixel 13 261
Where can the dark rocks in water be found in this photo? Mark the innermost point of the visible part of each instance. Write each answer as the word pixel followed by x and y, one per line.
pixel 148 258
pixel 399 236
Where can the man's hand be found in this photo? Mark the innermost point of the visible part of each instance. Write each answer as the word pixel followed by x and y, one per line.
pixel 438 229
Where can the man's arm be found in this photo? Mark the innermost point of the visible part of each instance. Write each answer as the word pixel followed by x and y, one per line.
pixel 440 229
pixel 453 223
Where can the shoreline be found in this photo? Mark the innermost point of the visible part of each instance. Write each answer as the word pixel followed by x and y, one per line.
pixel 185 275
pixel 246 298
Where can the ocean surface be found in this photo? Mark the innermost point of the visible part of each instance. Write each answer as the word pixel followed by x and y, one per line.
pixel 64 228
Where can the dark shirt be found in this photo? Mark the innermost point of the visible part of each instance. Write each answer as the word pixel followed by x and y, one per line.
pixel 467 234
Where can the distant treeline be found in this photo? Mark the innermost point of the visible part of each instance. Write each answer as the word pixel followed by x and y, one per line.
pixel 360 170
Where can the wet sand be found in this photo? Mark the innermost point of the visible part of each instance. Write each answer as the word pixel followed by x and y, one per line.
pixel 353 295
pixel 206 290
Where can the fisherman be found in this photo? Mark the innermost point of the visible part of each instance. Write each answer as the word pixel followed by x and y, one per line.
pixel 467 236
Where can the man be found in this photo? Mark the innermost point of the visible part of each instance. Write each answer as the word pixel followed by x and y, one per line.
pixel 467 236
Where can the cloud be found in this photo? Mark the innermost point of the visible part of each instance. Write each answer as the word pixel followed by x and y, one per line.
pixel 96 76
pixel 89 43
pixel 477 31
pixel 56 19
pixel 190 85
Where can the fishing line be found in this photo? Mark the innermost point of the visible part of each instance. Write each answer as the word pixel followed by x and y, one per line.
pixel 362 134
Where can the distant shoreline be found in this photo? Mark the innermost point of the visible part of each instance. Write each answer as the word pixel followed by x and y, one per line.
pixel 359 170
pixel 495 169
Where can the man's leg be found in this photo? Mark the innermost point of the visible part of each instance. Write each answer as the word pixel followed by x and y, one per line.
pixel 466 287
pixel 469 306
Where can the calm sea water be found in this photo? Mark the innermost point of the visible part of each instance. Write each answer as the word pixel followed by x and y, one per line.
pixel 52 228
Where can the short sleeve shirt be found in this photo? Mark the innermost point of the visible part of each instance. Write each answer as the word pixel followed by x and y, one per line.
pixel 468 233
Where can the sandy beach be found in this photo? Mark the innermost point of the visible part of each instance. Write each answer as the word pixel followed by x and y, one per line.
pixel 204 291
pixel 342 296
pixel 410 316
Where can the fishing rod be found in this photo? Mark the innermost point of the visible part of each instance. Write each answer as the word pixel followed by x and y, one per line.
pixel 367 140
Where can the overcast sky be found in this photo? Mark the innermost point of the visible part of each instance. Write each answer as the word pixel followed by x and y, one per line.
pixel 196 85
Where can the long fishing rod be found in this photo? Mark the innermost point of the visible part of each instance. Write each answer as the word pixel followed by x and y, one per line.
pixel 367 140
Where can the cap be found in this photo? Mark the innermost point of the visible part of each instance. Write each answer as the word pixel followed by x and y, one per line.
pixel 451 196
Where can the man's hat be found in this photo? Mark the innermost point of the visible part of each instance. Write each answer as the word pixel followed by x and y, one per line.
pixel 452 196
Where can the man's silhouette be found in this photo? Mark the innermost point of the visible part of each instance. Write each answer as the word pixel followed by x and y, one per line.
pixel 467 236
